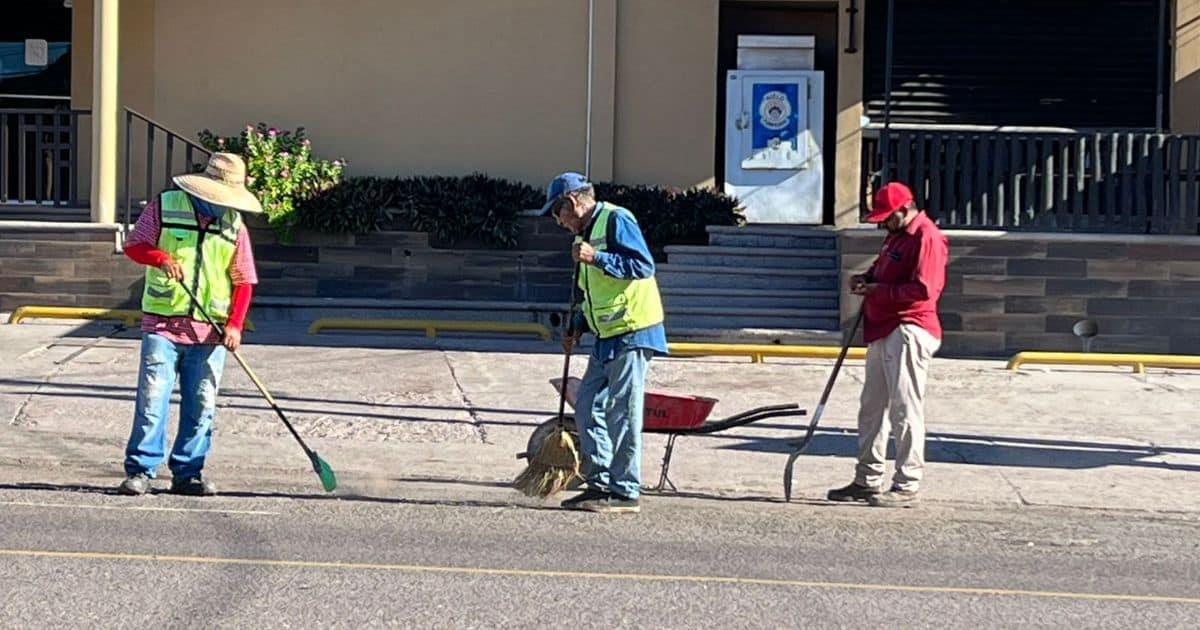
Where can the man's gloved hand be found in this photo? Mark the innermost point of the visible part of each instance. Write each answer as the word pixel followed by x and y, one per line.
pixel 570 339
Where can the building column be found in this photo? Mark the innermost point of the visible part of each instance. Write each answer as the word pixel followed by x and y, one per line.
pixel 847 157
pixel 604 85
pixel 105 32
pixel 1185 92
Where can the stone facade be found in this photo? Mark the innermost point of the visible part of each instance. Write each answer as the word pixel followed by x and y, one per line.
pixel 57 268
pixel 1008 292
pixel 65 269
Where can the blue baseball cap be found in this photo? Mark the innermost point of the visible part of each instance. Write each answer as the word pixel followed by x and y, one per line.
pixel 561 185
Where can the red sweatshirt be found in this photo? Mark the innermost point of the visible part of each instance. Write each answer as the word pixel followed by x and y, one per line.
pixel 911 273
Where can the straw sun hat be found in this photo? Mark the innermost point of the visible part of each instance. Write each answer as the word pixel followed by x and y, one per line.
pixel 222 183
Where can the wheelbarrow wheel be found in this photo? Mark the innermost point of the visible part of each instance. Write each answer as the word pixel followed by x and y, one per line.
pixel 543 430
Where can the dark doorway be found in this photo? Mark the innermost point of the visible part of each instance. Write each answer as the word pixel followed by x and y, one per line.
pixel 37 31
pixel 38 130
pixel 782 18
pixel 1068 63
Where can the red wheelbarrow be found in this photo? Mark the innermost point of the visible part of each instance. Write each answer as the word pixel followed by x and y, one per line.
pixel 673 414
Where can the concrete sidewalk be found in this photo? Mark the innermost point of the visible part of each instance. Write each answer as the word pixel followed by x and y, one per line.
pixel 389 410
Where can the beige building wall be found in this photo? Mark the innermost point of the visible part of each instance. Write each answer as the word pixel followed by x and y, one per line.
pixel 1185 95
pixel 450 86
pixel 666 91
pixel 414 87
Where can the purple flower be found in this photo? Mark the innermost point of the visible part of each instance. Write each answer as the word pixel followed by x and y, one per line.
pixel 285 155
pixel 272 132
pixel 306 142
pixel 285 173
pixel 220 142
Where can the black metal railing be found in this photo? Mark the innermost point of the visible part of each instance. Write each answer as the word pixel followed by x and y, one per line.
pixel 149 161
pixel 1132 182
pixel 39 157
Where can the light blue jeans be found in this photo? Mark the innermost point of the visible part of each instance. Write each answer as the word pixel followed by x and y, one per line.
pixel 199 369
pixel 611 434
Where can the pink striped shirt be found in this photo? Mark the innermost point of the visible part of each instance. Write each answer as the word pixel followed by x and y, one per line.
pixel 185 330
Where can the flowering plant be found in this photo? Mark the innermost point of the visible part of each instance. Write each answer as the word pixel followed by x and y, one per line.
pixel 280 170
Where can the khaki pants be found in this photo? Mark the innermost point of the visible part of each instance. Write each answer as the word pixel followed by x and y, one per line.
pixel 893 397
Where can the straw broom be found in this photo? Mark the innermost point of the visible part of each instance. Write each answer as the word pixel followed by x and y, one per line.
pixel 556 462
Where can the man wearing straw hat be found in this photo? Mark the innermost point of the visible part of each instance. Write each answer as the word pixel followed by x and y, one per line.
pixel 193 236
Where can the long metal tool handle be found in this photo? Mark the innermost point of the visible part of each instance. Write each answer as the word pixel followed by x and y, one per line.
pixel 246 367
pixel 566 373
pixel 812 427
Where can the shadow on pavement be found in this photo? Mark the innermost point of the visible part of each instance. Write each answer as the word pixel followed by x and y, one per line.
pixel 350 497
pixel 985 450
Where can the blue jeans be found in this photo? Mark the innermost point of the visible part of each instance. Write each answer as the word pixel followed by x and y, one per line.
pixel 199 368
pixel 608 413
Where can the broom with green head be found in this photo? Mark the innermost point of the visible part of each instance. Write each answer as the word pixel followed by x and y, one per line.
pixel 556 462
pixel 320 466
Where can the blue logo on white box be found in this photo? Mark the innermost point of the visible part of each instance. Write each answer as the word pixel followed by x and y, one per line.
pixel 776 117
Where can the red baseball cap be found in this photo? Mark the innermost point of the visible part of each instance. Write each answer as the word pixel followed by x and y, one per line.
pixel 888 200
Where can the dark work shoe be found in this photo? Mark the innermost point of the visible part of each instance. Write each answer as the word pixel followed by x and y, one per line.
pixel 612 504
pixel 135 485
pixel 193 486
pixel 852 492
pixel 895 498
pixel 591 494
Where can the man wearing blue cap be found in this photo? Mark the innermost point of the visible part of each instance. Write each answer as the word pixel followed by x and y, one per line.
pixel 622 307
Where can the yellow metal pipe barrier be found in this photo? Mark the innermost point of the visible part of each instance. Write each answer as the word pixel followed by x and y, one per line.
pixel 430 326
pixel 1139 362
pixel 757 352
pixel 129 317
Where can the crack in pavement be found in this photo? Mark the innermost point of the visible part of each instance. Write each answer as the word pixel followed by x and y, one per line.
pixel 953 450
pixel 59 366
pixel 476 420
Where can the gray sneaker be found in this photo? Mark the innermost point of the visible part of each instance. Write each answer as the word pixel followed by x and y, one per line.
pixel 852 492
pixel 612 504
pixel 895 498
pixel 576 502
pixel 193 486
pixel 135 485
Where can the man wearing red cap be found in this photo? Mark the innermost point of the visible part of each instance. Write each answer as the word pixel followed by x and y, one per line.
pixel 900 325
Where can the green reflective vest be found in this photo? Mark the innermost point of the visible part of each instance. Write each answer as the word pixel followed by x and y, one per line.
pixel 614 306
pixel 204 254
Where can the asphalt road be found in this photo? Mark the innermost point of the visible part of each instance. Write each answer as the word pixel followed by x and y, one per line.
pixel 484 558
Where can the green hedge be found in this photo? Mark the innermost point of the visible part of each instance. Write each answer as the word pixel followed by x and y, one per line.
pixel 487 209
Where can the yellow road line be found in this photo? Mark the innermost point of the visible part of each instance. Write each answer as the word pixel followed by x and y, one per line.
pixel 630 577
pixel 145 508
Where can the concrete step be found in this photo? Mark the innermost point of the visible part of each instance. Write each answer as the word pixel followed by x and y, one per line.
pixel 756 335
pixel 735 318
pixel 749 298
pixel 775 237
pixel 698 276
pixel 771 257
pixel 27 234
pixel 32 212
